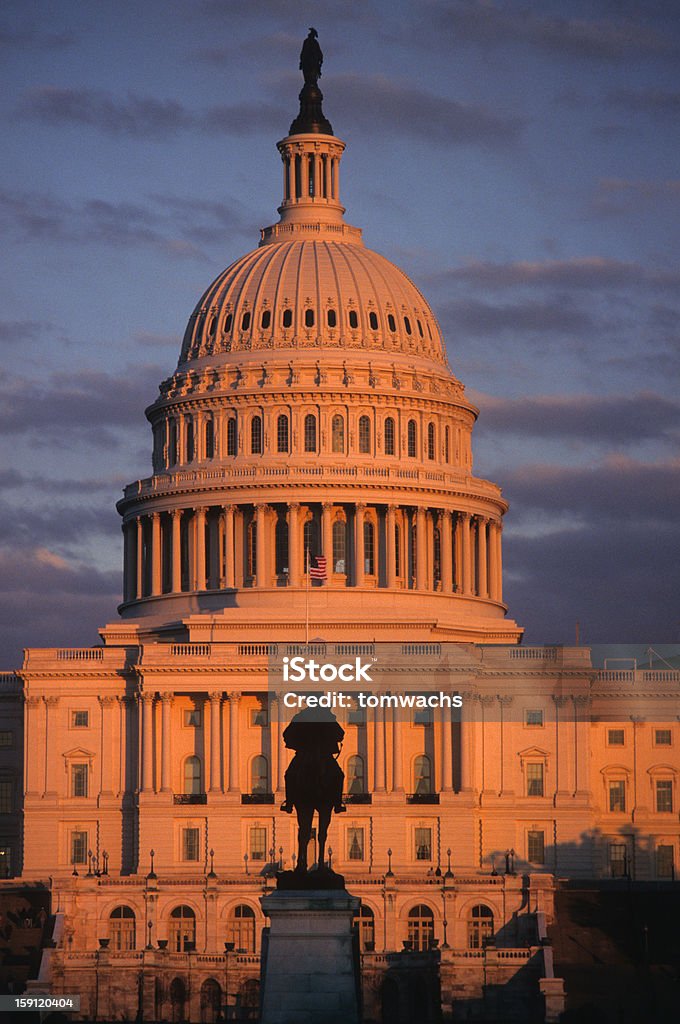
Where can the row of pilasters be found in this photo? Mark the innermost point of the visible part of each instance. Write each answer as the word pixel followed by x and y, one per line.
pixel 213 548
pixel 223 765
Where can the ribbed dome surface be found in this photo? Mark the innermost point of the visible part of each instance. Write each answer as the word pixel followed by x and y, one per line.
pixel 312 293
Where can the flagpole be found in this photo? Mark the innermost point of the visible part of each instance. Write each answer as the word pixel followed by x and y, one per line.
pixel 307 596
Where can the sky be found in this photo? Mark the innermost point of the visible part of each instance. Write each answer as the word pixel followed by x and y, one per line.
pixel 519 160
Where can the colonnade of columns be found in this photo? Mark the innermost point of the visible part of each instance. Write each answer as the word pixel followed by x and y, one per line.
pixel 382 747
pixel 309 174
pixel 381 545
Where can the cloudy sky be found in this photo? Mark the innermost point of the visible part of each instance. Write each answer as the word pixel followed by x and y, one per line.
pixel 518 159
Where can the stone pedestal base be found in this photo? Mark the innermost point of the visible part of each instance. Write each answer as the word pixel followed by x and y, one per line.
pixel 310 968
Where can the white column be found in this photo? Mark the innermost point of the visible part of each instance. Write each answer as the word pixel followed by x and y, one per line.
pixel 391 549
pixel 261 545
pixel 458 552
pixel 294 545
pixel 482 576
pixel 467 727
pixel 466 553
pixel 176 551
pixel 447 750
pixel 327 537
pixel 397 755
pixel 140 559
pixel 446 552
pixel 156 578
pixel 379 750
pixel 146 700
pixel 199 539
pixel 166 742
pixel 215 744
pixel 234 780
pixel 229 575
pixel 106 704
pixel 129 535
pixel 421 550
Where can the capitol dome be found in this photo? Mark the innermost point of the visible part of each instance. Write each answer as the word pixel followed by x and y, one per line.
pixel 313 422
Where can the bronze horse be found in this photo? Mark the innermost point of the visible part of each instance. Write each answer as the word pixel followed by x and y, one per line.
pixel 314 779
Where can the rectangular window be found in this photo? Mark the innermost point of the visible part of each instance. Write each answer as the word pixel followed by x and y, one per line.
pixel 259 716
pixel 356 716
pixel 422 716
pixel 192 718
pixel 258 843
pixel 78 847
pixel 79 779
pixel 615 737
pixel 662 737
pixel 6 796
pixel 80 719
pixel 617 795
pixel 618 860
pixel 536 846
pixel 665 866
pixel 191 838
pixel 5 861
pixel 664 795
pixel 355 844
pixel 534 779
pixel 6 738
pixel 533 717
pixel 423 838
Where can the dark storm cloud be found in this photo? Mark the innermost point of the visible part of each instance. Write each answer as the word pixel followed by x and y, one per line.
pixel 381 104
pixel 91 404
pixel 61 523
pixel 618 419
pixel 586 272
pixel 646 101
pixel 137 116
pixel 169 224
pixel 559 317
pixel 487 24
pixel 67 603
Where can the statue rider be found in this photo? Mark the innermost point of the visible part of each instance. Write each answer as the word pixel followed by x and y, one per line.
pixel 316 737
pixel 311 58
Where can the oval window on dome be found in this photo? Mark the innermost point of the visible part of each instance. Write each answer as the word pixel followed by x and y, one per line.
pixel 373 320
pixel 228 321
pixel 331 318
pixel 391 323
pixel 245 321
pixel 353 319
pixel 266 319
pixel 420 328
pixel 212 325
pixel 407 325
pixel 309 318
pixel 287 317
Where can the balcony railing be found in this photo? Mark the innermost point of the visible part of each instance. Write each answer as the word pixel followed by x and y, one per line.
pixel 190 798
pixel 422 798
pixel 257 798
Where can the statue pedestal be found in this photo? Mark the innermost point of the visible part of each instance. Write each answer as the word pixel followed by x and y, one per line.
pixel 310 968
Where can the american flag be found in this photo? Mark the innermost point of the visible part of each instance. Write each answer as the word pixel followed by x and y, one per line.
pixel 318 571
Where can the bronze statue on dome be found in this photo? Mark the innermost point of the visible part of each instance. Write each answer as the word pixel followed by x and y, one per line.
pixel 311 58
pixel 314 782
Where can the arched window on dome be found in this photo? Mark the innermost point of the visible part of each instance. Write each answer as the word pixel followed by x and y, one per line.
pixel 232 436
pixel 389 436
pixel 430 441
pixel 356 775
pixel 310 432
pixel 210 438
pixel 259 775
pixel 391 323
pixel 266 319
pixel 369 548
pixel 407 325
pixel 447 444
pixel 251 552
pixel 422 775
pixel 287 318
pixel 173 453
pixel 282 433
pixel 182 929
pixel 190 445
pixel 338 434
pixel 480 926
pixel 365 925
pixel 353 319
pixel 412 434
pixel 122 923
pixel 256 435
pixel 228 322
pixel 332 318
pixel 245 321
pixel 420 328
pixel 373 320
pixel 339 546
pixel 241 928
pixel 309 318
pixel 364 435
pixel 420 928
pixel 193 782
pixel 212 326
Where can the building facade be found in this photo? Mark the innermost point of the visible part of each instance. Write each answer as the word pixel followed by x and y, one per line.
pixel 313 416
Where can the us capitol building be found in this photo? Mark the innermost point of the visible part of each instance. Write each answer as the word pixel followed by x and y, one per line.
pixel 313 416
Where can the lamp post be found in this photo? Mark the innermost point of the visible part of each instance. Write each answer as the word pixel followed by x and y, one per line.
pixel 280 858
pixel 211 873
pixel 105 859
pixel 149 925
pixel 449 872
pixel 89 864
pixel 245 860
pixel 152 873
pixel 390 873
